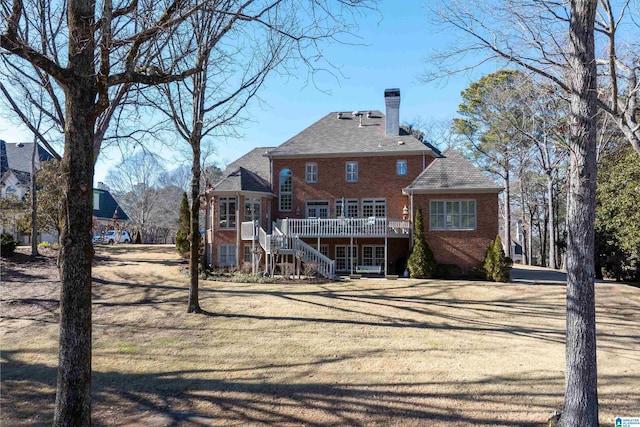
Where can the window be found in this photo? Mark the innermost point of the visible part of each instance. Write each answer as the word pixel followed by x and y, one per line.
pixel 96 200
pixel 227 212
pixel 401 167
pixel 226 255
pixel 351 172
pixel 374 208
pixel 252 209
pixel 311 174
pixel 246 256
pixel 452 215
pixel 286 190
pixel 372 255
pixel 351 209
pixel 317 209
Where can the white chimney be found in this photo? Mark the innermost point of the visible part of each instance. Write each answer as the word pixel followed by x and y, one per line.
pixel 392 102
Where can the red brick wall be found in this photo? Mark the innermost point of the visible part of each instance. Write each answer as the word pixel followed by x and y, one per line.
pixel 463 248
pixel 377 178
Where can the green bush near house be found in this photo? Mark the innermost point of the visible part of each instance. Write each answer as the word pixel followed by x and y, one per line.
pixel 421 264
pixel 7 245
pixel 496 265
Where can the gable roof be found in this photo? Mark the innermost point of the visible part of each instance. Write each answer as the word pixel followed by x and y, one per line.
pixel 250 172
pixel 341 133
pixel 107 205
pixel 452 173
pixel 16 157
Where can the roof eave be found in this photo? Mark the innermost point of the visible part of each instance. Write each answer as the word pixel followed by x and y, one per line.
pixel 486 190
pixel 349 154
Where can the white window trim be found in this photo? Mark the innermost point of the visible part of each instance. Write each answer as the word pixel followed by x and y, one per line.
pixel 404 171
pixel 352 176
pixel 311 173
pixel 227 213
pixel 459 201
pixel 229 255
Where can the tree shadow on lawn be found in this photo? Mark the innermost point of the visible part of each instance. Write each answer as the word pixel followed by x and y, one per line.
pixel 188 398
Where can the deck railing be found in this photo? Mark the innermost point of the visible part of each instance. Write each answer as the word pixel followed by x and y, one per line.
pixel 344 227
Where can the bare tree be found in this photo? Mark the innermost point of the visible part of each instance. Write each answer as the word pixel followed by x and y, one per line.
pixel 134 183
pixel 556 40
pixel 236 47
pixel 532 34
pixel 99 58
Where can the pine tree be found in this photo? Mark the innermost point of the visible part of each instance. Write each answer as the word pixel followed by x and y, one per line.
pixel 182 236
pixel 496 265
pixel 421 263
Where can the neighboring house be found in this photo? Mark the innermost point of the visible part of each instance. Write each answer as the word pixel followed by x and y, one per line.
pixel 15 167
pixel 15 180
pixel 107 213
pixel 342 194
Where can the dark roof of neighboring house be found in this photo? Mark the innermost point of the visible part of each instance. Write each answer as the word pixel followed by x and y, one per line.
pixel 332 135
pixel 16 157
pixel 249 173
pixel 107 206
pixel 449 173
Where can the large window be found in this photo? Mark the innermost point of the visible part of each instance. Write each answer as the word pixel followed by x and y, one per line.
pixel 351 171
pixel 401 167
pixel 226 255
pixel 372 255
pixel 227 212
pixel 351 209
pixel 286 190
pixel 452 215
pixel 252 208
pixel 374 207
pixel 317 209
pixel 311 173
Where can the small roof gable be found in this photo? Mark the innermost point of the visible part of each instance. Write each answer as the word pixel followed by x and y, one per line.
pixel 242 180
pixel 452 173
pixel 346 133
pixel 17 156
pixel 254 161
pixel 107 205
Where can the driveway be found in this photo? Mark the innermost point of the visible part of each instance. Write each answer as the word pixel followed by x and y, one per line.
pixel 533 275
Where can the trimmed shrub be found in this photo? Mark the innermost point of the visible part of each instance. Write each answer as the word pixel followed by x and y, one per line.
pixel 496 265
pixel 7 245
pixel 421 264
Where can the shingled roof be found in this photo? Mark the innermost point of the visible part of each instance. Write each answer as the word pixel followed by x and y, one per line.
pixel 16 157
pixel 340 133
pixel 249 173
pixel 107 205
pixel 452 173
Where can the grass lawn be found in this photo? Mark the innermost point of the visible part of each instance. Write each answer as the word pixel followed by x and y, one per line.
pixel 363 352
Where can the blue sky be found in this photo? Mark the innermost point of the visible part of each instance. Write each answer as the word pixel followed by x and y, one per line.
pixel 392 47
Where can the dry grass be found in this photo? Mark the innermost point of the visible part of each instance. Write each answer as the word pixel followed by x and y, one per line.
pixel 365 352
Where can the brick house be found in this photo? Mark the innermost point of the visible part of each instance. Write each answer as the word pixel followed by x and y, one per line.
pixel 341 196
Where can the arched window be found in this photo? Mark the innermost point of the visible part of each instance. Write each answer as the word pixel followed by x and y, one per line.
pixel 286 190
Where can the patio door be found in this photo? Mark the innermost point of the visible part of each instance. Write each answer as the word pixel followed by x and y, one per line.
pixel 317 209
pixel 343 258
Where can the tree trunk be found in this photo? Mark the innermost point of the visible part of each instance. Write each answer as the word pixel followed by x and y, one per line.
pixel 73 392
pixel 552 223
pixel 34 203
pixel 193 305
pixel 507 214
pixel 581 394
